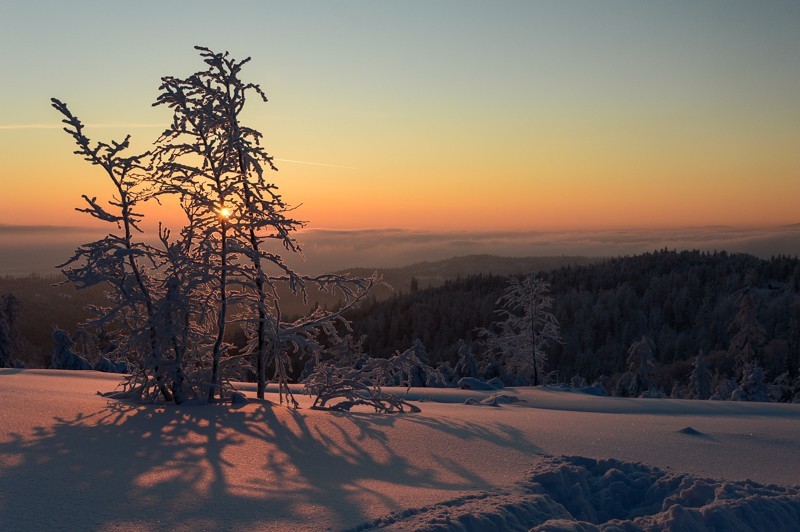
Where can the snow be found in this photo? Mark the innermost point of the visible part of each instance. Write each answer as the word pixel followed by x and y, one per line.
pixel 72 459
pixel 576 493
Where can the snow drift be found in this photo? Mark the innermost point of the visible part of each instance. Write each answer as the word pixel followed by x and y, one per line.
pixel 584 494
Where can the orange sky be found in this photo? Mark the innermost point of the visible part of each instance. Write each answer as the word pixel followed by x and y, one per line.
pixel 509 116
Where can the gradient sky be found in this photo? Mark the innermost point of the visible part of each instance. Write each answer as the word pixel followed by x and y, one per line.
pixel 435 115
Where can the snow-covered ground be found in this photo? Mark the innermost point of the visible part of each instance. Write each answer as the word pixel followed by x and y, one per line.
pixel 70 459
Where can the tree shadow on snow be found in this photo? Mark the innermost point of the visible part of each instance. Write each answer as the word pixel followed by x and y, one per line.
pixel 218 467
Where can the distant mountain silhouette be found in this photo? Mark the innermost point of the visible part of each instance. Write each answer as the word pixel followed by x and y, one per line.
pixel 435 273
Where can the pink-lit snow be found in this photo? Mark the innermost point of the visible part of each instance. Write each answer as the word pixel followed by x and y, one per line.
pixel 71 459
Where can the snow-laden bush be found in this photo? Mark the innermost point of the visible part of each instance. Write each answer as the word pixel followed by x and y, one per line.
pixel 640 377
pixel 64 357
pixel 467 365
pixel 341 386
pixel 753 386
pixel 700 379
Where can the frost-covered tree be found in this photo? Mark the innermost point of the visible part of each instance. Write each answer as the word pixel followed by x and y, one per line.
pixel 781 389
pixel 466 366
pixel 219 167
pixel 528 327
pixel 121 262
pixel 179 296
pixel 419 377
pixel 640 377
pixel 723 388
pixel 749 335
pixel 796 390
pixel 5 340
pixel 700 378
pixel 753 386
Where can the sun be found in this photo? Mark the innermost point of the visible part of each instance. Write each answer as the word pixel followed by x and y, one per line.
pixel 225 212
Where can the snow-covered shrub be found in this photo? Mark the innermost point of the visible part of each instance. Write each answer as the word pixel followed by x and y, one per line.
pixel 753 386
pixel 105 365
pixel 447 373
pixel 419 377
pixel 640 376
pixel 466 366
pixel 796 395
pixel 723 388
pixel 338 386
pixel 9 308
pixel 471 383
pixel 577 382
pixel 63 355
pixel 5 341
pixel 700 379
pixel 781 389
pixel 677 391
pixel 749 335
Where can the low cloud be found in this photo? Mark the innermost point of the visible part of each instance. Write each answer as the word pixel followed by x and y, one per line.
pixel 336 249
pixel 26 249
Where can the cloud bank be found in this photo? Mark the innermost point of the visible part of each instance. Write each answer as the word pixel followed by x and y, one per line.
pixel 26 249
pixel 397 247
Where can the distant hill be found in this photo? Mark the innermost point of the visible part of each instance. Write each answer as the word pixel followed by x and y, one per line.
pixel 433 274
pixel 46 303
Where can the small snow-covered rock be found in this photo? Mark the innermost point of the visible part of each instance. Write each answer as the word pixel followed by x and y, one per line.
pixel 238 398
pixel 123 367
pixel 497 382
pixel 63 356
pixel 105 365
pixel 500 399
pixel 471 383
pixel 594 389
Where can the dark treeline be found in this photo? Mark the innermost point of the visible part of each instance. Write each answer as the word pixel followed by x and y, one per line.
pixel 45 302
pixel 685 302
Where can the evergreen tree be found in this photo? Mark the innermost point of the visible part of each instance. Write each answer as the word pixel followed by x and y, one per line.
pixel 752 386
pixel 700 378
pixel 5 339
pixel 466 366
pixel 749 335
pixel 640 376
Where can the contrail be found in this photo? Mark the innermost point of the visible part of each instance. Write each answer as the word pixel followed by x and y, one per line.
pixel 98 126
pixel 315 164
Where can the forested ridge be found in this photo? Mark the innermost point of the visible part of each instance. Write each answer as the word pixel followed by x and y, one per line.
pixel 685 302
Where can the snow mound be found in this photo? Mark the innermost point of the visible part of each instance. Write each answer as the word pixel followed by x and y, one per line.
pixel 496 399
pixel 584 494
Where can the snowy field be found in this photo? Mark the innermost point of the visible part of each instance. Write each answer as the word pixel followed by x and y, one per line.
pixel 70 459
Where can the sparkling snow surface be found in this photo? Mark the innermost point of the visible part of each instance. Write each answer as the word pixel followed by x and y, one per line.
pixel 70 459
